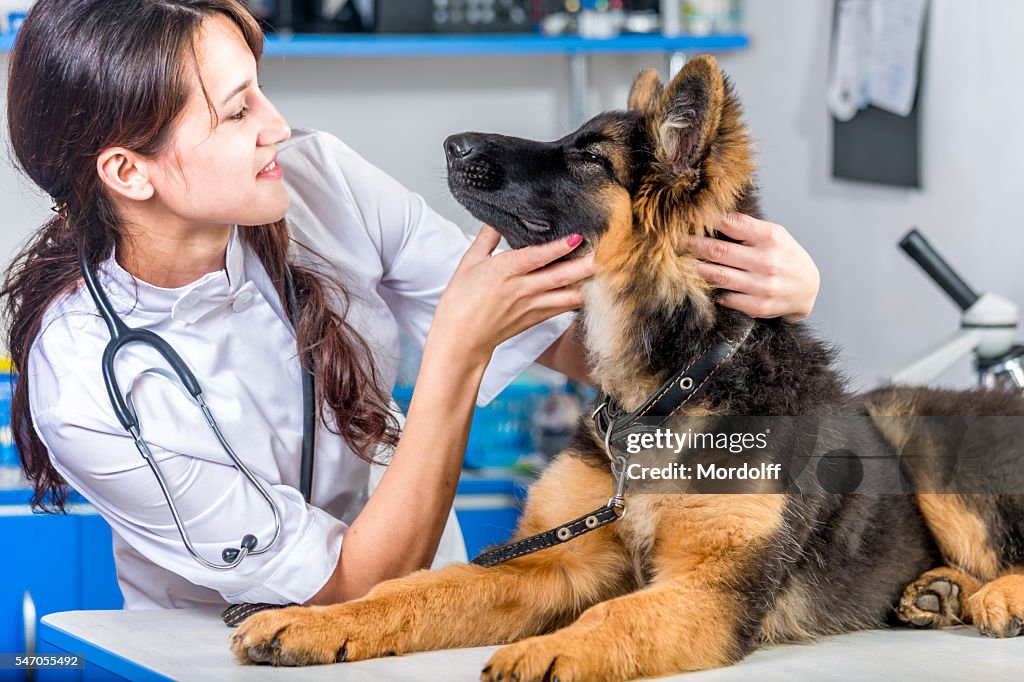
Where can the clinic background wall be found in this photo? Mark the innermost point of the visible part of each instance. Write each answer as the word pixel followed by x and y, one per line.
pixel 873 300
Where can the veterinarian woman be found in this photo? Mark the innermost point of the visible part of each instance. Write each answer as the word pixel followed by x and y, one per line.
pixel 172 175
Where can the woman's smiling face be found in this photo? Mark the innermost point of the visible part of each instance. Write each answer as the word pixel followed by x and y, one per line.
pixel 219 167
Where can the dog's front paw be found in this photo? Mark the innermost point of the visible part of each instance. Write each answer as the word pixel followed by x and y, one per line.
pixel 998 607
pixel 313 635
pixel 549 658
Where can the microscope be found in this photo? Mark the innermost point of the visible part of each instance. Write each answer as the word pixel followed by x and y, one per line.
pixel 988 328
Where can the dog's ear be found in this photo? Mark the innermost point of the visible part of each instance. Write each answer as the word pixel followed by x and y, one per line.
pixel 646 90
pixel 688 114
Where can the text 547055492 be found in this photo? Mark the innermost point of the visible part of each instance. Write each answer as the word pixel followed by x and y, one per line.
pixel 52 661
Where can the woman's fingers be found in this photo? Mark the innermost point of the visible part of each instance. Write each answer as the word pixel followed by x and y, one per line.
pixel 483 245
pixel 724 277
pixel 768 274
pixel 559 275
pixel 745 303
pixel 557 301
pixel 530 258
pixel 723 252
pixel 747 229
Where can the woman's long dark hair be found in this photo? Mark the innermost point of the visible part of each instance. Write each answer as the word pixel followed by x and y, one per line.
pixel 86 75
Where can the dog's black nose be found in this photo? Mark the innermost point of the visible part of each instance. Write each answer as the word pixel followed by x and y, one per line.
pixel 458 147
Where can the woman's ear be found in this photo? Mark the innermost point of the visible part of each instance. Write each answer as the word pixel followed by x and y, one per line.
pixel 125 173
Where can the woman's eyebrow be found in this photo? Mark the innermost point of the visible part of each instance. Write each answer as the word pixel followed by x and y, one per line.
pixel 237 90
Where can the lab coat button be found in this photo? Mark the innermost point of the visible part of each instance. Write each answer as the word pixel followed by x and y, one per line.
pixel 189 300
pixel 242 302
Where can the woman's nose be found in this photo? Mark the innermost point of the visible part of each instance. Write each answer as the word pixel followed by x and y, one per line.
pixel 276 130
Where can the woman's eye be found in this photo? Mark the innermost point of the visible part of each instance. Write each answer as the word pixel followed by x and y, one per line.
pixel 242 113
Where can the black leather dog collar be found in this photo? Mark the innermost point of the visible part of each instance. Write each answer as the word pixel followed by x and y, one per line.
pixel 611 426
pixel 673 395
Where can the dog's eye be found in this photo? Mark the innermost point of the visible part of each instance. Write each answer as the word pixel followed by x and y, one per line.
pixel 591 157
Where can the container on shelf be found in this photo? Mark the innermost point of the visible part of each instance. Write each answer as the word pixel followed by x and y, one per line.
pixel 707 17
pixel 10 464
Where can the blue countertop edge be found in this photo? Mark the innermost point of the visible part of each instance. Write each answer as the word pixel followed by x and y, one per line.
pixel 381 45
pixel 98 656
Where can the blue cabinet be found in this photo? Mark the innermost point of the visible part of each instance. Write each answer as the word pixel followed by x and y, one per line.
pixel 51 563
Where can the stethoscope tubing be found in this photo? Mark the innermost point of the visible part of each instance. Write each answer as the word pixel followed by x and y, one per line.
pixel 121 335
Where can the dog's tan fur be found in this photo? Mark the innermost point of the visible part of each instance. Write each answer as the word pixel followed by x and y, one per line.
pixel 586 585
pixel 961 535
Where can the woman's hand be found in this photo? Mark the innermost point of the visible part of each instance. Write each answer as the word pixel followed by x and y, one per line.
pixel 488 300
pixel 767 274
pixel 491 298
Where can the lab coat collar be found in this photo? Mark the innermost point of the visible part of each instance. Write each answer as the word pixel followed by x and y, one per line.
pixel 187 303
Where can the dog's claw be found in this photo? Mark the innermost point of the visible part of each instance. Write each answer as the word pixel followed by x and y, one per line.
pixel 1014 628
pixel 261 654
pixel 342 654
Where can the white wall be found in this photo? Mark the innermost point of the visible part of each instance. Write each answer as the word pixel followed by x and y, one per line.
pixel 873 301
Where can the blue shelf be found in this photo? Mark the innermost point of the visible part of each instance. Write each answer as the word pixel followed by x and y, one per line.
pixel 494 45
pixel 477 45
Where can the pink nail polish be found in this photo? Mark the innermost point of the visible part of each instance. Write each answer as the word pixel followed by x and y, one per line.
pixel 575 240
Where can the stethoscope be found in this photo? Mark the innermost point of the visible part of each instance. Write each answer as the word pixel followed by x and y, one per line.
pixel 120 336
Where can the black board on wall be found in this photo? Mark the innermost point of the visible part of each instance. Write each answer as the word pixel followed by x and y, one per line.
pixel 878 146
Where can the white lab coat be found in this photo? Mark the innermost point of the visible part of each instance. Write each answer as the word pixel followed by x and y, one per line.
pixel 395 256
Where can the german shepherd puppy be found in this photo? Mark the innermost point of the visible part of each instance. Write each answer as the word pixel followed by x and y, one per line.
pixel 682 581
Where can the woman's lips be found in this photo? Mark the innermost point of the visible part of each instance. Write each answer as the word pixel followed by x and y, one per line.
pixel 271 171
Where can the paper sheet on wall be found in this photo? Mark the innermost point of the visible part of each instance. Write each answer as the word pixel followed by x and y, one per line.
pixel 896 28
pixel 875 51
pixel 851 49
